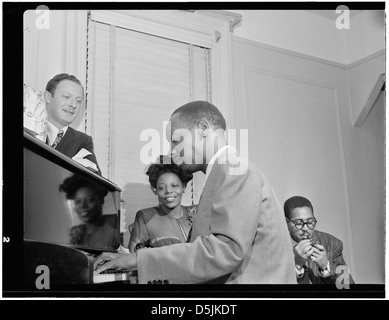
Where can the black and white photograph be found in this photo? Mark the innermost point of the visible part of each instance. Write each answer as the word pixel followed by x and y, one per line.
pixel 194 150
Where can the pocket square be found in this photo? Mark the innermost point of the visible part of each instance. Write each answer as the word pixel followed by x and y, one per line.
pixel 79 157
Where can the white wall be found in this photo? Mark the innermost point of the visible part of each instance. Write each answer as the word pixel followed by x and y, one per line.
pixel 285 65
pixel 308 33
pixel 296 30
pixel 366 35
pixel 43 49
pixel 59 49
pixel 291 107
pixel 298 111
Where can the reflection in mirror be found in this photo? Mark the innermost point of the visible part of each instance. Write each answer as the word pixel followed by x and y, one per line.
pixel 86 199
pixel 50 211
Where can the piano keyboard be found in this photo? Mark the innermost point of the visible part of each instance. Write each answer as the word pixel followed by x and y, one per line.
pixel 116 275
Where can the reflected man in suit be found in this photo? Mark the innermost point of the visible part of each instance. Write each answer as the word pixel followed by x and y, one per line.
pixel 64 96
pixel 239 235
pixel 318 255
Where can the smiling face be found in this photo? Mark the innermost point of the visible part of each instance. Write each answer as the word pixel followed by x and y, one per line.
pixel 64 106
pixel 301 214
pixel 169 190
pixel 88 204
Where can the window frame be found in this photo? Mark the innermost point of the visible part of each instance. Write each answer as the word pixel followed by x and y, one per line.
pixel 209 28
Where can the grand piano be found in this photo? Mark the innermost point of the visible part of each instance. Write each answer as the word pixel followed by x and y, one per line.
pixel 55 231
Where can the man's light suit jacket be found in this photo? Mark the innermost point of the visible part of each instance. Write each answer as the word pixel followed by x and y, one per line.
pixel 239 234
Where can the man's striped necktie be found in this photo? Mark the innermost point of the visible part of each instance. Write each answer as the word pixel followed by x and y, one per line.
pixel 58 138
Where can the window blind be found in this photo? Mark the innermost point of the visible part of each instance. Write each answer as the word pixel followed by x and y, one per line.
pixel 134 82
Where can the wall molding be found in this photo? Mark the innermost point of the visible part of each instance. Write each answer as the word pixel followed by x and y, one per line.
pixel 358 117
pixel 290 52
pixel 307 56
pixel 366 59
pixel 371 100
pixel 233 18
pixel 288 77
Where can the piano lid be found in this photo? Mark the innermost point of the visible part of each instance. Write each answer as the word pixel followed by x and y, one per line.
pixel 39 147
pixel 65 203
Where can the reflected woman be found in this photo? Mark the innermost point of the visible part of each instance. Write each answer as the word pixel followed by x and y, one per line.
pixel 170 222
pixel 97 230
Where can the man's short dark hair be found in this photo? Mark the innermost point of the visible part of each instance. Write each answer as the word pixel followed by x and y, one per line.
pixel 296 202
pixel 53 83
pixel 193 112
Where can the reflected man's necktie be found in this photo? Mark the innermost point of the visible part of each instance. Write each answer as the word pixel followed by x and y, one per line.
pixel 58 138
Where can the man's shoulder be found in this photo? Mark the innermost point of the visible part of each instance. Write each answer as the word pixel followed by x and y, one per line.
pixel 78 134
pixel 235 166
pixel 146 214
pixel 234 163
pixel 327 236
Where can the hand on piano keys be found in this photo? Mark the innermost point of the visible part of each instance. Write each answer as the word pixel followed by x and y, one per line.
pixel 116 261
pixel 111 275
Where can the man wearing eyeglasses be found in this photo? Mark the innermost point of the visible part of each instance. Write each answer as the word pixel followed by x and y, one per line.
pixel 317 254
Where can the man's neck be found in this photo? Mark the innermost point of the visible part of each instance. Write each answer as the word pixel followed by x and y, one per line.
pixel 56 124
pixel 209 165
pixel 52 131
pixel 215 154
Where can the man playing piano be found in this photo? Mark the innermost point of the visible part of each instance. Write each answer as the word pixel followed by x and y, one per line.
pixel 239 234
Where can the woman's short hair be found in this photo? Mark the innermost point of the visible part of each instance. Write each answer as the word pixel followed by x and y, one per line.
pixel 166 165
pixel 71 184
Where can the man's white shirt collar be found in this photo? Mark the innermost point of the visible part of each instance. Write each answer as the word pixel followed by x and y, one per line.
pixel 52 132
pixel 212 161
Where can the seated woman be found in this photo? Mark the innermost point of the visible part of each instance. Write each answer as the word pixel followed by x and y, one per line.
pixel 170 222
pixel 97 230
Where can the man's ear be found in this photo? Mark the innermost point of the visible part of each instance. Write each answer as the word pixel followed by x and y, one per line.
pixel 203 127
pixel 47 96
pixel 219 132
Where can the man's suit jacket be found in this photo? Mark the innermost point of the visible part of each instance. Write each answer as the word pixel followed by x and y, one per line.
pixel 334 249
pixel 239 236
pixel 73 141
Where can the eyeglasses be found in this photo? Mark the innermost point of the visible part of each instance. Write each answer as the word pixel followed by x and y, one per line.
pixel 299 224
